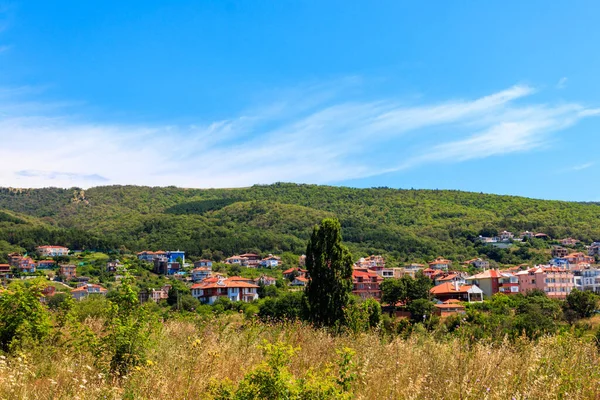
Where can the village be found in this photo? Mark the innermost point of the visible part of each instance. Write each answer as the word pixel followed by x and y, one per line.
pixel 453 283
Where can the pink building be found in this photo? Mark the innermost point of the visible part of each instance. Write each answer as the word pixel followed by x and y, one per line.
pixel 556 282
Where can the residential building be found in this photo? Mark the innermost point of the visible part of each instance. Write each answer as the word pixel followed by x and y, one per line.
pixel 27 265
pixel 449 307
pixel 555 282
pixel 155 295
pixel 209 292
pixel 299 281
pixel 239 260
pixel 569 241
pixel 366 283
pixel 52 251
pixel 413 269
pixel 266 280
pixel 432 273
pixel 85 289
pixel 253 259
pixel 440 264
pixel 201 273
pixel 114 266
pixel 454 291
pixel 270 261
pixel 149 256
pixel 393 273
pixel 527 234
pixel 163 266
pixel 203 264
pixel 508 283
pixel 47 292
pixel 68 271
pixel 375 263
pixel 487 281
pixel 578 258
pixel 594 249
pixel 293 272
pixel 441 279
pixel 586 278
pixel 559 252
pixel 177 256
pixel 506 236
pixel 14 259
pixel 478 263
pixel 46 264
pixel 541 236
pixel 5 271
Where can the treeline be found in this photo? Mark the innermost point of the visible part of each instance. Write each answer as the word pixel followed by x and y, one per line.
pixel 405 225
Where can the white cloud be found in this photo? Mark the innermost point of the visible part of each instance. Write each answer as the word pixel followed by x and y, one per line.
pixel 309 138
pixel 581 167
pixel 562 83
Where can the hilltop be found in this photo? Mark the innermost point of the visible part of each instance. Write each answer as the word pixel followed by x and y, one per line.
pixel 406 225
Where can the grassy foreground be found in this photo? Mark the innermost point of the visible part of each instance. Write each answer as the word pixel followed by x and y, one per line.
pixel 187 359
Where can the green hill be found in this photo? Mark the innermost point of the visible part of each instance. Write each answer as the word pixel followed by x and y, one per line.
pixel 406 225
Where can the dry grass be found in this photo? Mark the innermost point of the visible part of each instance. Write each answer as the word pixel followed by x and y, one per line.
pixel 186 358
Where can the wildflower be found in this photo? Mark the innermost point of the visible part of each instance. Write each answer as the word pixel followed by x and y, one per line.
pixel 149 362
pixel 88 367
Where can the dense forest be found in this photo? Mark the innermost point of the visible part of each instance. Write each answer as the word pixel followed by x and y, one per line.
pixel 405 225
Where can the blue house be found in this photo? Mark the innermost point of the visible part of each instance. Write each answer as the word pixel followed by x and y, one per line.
pixel 559 262
pixel 172 256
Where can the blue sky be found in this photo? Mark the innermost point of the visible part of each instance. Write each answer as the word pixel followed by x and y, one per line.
pixel 500 97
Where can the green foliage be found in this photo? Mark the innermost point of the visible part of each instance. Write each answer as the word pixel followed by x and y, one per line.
pixel 420 309
pixel 405 289
pixel 581 304
pixel 360 316
pixel 287 306
pixel 24 320
pixel 329 265
pixel 272 380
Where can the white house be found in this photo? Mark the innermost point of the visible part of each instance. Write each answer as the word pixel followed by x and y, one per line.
pixel 211 289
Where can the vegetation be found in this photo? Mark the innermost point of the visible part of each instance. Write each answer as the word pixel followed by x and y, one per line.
pixel 405 225
pixel 329 264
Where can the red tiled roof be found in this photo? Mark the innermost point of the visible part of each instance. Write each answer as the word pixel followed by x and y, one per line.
pixel 489 274
pixel 449 287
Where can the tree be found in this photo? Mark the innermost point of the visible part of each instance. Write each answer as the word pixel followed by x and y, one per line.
pixel 329 265
pixel 582 304
pixel 393 291
pixel 420 310
pixel 23 319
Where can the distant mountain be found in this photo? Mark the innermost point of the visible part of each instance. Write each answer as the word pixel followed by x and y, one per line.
pixel 403 224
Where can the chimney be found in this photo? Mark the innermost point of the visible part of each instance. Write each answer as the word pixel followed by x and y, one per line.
pixel 456 285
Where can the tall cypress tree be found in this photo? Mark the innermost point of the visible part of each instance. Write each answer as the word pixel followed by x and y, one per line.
pixel 329 265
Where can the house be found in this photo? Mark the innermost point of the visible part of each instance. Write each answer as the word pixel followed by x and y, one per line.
pixel 374 263
pixel 432 273
pixel 440 264
pixel 478 263
pixel 201 273
pixel 46 264
pixel 569 241
pixel 239 260
pixel 559 252
pixel 113 266
pixel 5 271
pixel 177 256
pixel 541 236
pixel 85 289
pixel 294 272
pixel 440 279
pixel 208 292
pixel 506 236
pixel 449 307
pixel 240 279
pixel 411 270
pixel 488 281
pixel 203 264
pixel 163 266
pixel 577 258
pixel 366 283
pixel 27 265
pixel 253 259
pixel 508 283
pixel 47 292
pixel 148 255
pixel 594 249
pixel 299 281
pixel 270 261
pixel 302 260
pixel 555 282
pixel 155 295
pixel 52 251
pixel 68 271
pixel 14 259
pixel 454 291
pixel 586 278
pixel 527 234
pixel 392 273
pixel 266 281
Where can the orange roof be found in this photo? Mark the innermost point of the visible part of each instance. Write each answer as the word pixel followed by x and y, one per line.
pixel 449 277
pixel 489 274
pixel 449 287
pixel 223 283
pixel 445 306
pixel 301 279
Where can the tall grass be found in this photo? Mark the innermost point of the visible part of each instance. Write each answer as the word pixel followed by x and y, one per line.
pixel 187 358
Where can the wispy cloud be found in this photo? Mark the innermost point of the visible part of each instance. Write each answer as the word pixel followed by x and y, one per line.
pixel 307 137
pixel 581 167
pixel 562 83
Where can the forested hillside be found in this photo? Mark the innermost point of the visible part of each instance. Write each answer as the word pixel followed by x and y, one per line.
pixel 406 225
